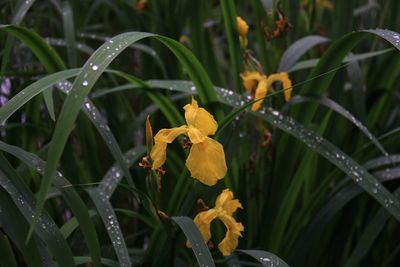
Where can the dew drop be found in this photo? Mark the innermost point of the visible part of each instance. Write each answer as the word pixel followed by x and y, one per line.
pixel 85 83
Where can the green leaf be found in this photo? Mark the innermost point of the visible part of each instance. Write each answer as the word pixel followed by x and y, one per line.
pixel 16 227
pixel 89 109
pixel 113 177
pixel 140 47
pixel 111 224
pixel 169 110
pixel 172 114
pixel 202 83
pixel 33 90
pixel 310 63
pixel 136 215
pixel 358 90
pixel 193 235
pixel 327 102
pixel 65 10
pixel 46 228
pixel 7 254
pixel 298 49
pixel 341 197
pixel 45 53
pixel 232 33
pixel 331 59
pixel 72 198
pixel 368 237
pixel 79 260
pixel 72 224
pixel 22 9
pixel 266 259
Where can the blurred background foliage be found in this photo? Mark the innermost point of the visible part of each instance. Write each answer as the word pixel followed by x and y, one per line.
pixel 318 176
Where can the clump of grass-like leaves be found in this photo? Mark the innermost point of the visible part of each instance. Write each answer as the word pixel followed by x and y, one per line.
pixel 210 133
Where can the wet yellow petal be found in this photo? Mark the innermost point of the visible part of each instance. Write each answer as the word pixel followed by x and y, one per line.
pixel 200 118
pixel 242 26
pixel 226 202
pixel 286 83
pixel 158 154
pixel 195 135
pixel 206 161
pixel 231 239
pixel 203 221
pixel 169 135
pixel 159 151
pixel 261 92
pixel 225 205
pixel 250 79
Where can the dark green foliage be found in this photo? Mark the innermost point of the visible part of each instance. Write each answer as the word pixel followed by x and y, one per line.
pixel 318 176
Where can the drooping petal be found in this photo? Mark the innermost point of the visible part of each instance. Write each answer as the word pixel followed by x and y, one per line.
pixel 169 135
pixel 203 221
pixel 250 79
pixel 226 202
pixel 200 118
pixel 206 161
pixel 286 83
pixel 158 154
pixel 231 239
pixel 159 151
pixel 261 92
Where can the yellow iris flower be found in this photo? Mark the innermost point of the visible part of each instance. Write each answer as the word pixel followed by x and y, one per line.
pixel 243 29
pixel 259 84
pixel 206 160
pixel 319 3
pixel 225 206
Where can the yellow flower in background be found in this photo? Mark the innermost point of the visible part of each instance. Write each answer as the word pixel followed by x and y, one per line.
pixel 259 84
pixel 319 3
pixel 206 160
pixel 141 4
pixel 243 29
pixel 225 206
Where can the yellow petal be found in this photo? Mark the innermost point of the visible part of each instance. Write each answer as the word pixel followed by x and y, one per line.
pixel 242 26
pixel 261 92
pixel 159 151
pixel 231 239
pixel 149 134
pixel 226 202
pixel 250 79
pixel 195 135
pixel 200 118
pixel 203 221
pixel 169 135
pixel 286 83
pixel 158 154
pixel 206 161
